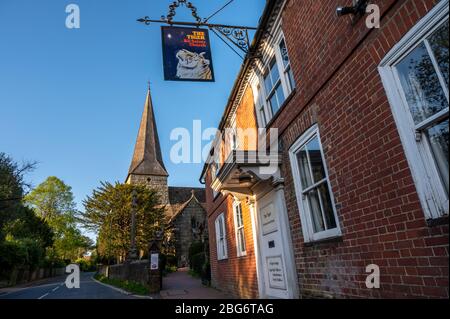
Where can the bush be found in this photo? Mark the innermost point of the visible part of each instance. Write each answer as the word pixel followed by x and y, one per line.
pixel 168 264
pixel 12 254
pixel 197 262
pixel 18 253
pixel 171 261
pixel 130 286
pixel 86 265
pixel 206 274
pixel 195 248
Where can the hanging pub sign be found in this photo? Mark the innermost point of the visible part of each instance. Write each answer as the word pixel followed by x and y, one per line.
pixel 187 54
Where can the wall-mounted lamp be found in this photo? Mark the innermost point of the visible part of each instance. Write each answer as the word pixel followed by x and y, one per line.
pixel 358 9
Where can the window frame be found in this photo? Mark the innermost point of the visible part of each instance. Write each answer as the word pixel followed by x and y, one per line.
pixel 237 204
pixel 304 210
pixel 427 179
pixel 285 82
pixel 273 62
pixel 221 255
pixel 286 68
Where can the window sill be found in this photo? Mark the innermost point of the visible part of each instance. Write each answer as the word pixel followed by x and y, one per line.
pixel 337 239
pixel 286 102
pixel 437 221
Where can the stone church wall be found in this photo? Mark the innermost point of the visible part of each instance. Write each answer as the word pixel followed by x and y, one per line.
pixel 158 183
pixel 184 234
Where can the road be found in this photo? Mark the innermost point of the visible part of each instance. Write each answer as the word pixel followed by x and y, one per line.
pixel 56 289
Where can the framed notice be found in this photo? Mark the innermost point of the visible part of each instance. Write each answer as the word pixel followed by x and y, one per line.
pixel 187 54
pixel 154 262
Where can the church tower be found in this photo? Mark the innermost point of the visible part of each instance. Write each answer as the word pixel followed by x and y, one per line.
pixel 147 166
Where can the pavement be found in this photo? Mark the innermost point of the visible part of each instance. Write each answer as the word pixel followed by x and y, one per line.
pixel 55 288
pixel 181 285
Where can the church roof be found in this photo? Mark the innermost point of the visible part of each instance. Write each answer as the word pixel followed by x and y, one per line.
pixel 180 197
pixel 147 158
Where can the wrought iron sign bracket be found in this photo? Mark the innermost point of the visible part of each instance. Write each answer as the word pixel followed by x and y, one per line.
pixel 230 34
pixel 235 35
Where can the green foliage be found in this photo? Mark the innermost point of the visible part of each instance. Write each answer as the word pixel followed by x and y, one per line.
pixel 87 265
pixel 19 253
pixel 130 286
pixel 168 263
pixel 28 225
pixel 195 248
pixel 197 261
pixel 206 273
pixel 108 212
pixel 12 189
pixel 24 237
pixel 53 201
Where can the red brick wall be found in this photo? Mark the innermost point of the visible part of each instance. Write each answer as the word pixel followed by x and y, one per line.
pixel 246 120
pixel 235 275
pixel 339 87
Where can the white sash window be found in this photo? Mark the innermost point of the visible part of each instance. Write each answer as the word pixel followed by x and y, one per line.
pixel 416 78
pixel 221 238
pixel 313 190
pixel 239 229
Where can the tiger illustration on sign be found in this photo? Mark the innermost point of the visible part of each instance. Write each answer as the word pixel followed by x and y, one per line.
pixel 193 66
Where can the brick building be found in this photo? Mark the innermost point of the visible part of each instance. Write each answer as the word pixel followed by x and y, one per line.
pixel 185 206
pixel 362 178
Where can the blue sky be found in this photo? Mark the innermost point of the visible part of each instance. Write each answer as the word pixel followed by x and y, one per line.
pixel 72 99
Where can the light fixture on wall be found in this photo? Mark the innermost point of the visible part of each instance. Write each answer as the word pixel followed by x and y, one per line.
pixel 358 9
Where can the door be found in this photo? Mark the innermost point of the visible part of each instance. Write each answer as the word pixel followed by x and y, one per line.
pixel 273 257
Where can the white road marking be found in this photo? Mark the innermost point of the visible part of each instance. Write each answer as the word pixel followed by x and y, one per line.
pixel 56 288
pixel 43 296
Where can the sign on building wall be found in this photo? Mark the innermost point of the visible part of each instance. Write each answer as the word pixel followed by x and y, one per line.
pixel 187 54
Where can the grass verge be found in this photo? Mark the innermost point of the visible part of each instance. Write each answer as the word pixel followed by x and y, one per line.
pixel 130 286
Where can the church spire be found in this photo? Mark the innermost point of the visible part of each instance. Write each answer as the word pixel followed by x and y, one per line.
pixel 147 158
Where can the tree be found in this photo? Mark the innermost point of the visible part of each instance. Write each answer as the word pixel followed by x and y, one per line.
pixel 53 201
pixel 24 236
pixel 108 212
pixel 12 187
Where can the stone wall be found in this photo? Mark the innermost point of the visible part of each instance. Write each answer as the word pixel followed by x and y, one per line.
pixel 184 235
pixel 136 271
pixel 158 183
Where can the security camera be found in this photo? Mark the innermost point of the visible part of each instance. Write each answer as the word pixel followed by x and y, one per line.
pixel 342 11
pixel 359 8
